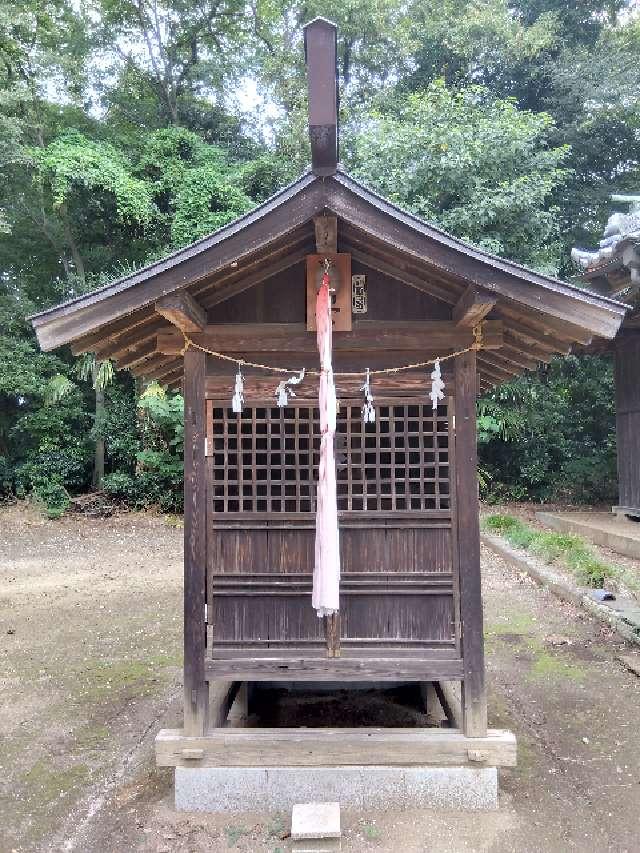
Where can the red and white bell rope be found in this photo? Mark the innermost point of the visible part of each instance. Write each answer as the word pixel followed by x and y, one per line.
pixel 326 574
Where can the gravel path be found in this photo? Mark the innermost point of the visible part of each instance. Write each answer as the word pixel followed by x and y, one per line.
pixel 90 627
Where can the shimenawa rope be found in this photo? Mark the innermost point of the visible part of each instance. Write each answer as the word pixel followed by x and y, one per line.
pixel 476 345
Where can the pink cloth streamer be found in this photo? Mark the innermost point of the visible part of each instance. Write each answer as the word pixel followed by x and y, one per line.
pixel 326 575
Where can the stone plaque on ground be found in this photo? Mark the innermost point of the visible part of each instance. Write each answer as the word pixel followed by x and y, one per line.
pixel 315 827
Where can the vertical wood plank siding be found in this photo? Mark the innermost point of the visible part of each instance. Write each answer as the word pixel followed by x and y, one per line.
pixel 627 382
pixel 195 538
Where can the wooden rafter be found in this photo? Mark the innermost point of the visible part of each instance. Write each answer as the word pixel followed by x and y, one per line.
pixel 135 356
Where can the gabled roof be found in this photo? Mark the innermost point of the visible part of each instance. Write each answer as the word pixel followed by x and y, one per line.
pixel 542 315
pixel 614 266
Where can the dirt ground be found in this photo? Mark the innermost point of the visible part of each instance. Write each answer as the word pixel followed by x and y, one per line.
pixel 90 636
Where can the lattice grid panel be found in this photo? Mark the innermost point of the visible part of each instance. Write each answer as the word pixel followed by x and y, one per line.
pixel 266 459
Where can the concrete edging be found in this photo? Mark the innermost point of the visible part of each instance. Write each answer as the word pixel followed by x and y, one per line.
pixel 560 587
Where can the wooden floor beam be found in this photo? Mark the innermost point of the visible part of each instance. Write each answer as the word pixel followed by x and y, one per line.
pixel 333 669
pixel 410 335
pixel 327 747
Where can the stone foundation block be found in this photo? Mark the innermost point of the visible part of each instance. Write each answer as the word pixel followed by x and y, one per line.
pixel 278 789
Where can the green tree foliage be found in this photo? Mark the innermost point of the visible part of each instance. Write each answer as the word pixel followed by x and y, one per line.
pixel 474 164
pixel 175 49
pixel 506 122
pixel 549 436
pixel 194 185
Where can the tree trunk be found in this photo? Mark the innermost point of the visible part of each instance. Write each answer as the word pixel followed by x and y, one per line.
pixel 98 459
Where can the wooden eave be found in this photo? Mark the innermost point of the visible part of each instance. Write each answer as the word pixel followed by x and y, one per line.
pixel 542 316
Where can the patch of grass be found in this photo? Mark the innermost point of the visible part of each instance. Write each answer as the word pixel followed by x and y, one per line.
pixel 550 666
pixel 371 831
pixel 551 546
pixel 570 550
pixel 234 834
pixel 514 623
pixel 520 537
pixel 99 680
pixel 589 569
pixel 50 783
pixel 277 828
pixel 91 736
pixel 499 523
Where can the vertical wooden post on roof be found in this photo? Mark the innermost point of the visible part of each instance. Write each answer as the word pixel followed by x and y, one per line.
pixel 196 689
pixel 474 698
pixel 320 50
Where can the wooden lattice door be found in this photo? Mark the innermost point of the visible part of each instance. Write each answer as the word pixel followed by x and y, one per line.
pixel 396 505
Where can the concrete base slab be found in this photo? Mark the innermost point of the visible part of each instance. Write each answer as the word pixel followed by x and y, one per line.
pixel 237 789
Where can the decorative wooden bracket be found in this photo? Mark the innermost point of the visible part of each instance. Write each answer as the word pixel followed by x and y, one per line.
pixel 472 307
pixel 182 310
pixel 326 234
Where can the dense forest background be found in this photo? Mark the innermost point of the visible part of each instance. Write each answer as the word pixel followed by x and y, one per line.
pixel 129 128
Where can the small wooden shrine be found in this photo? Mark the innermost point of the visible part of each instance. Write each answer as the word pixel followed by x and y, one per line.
pixel 405 294
pixel 614 269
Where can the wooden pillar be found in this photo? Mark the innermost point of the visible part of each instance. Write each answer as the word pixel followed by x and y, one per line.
pixel 627 370
pixel 474 698
pixel 196 691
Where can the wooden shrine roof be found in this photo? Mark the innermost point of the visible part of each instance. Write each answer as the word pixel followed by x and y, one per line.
pixel 542 316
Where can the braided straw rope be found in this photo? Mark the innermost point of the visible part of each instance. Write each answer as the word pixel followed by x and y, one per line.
pixel 476 345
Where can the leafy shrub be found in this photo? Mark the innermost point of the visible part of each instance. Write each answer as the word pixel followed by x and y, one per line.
pixel 551 435
pixel 52 496
pixel 500 523
pixel 6 479
pixel 154 475
pixel 120 485
pixel 119 427
pixel 160 481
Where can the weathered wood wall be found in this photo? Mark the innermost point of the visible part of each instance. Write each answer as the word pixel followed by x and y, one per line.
pixel 627 380
pixel 282 299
